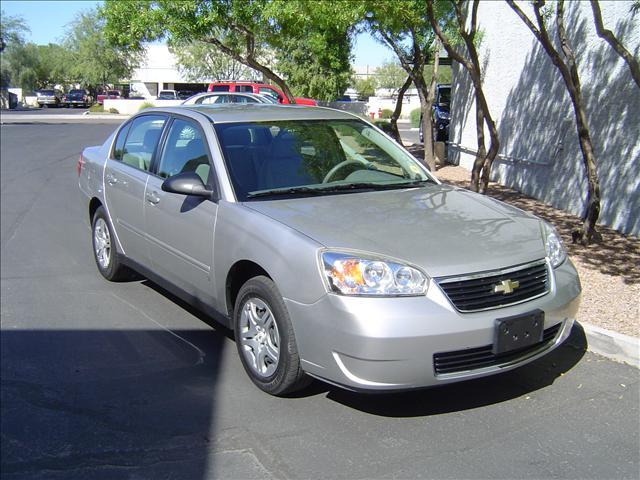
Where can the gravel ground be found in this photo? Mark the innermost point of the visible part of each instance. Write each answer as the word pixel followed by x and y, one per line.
pixel 609 271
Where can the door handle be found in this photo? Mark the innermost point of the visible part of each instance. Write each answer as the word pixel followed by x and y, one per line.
pixel 111 179
pixel 152 198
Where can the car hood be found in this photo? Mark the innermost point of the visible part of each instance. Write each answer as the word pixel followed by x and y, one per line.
pixel 442 229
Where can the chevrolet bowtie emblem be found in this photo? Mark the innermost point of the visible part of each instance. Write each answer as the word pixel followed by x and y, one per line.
pixel 506 286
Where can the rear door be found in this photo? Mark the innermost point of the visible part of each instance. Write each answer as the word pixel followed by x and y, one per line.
pixel 125 179
pixel 180 227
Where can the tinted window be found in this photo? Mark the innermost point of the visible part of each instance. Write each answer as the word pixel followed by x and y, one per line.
pixel 184 151
pixel 118 148
pixel 220 88
pixel 244 88
pixel 142 141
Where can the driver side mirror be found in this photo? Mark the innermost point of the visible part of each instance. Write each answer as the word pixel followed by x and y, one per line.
pixel 187 183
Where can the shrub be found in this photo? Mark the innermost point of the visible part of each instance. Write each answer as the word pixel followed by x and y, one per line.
pixel 96 108
pixel 386 113
pixel 113 110
pixel 383 125
pixel 146 105
pixel 415 117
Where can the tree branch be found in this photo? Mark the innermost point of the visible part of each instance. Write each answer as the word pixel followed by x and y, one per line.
pixel 611 39
pixel 445 42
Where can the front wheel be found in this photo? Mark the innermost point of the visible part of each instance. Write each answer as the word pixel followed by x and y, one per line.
pixel 265 339
pixel 104 248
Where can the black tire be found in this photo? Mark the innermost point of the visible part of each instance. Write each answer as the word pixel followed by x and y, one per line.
pixel 113 269
pixel 288 375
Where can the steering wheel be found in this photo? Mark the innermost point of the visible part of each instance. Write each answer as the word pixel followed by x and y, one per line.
pixel 342 164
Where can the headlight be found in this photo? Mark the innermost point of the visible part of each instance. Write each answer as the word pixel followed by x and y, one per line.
pixel 355 274
pixel 553 245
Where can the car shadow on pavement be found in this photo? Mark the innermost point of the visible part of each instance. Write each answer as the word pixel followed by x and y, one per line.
pixel 109 403
pixel 470 394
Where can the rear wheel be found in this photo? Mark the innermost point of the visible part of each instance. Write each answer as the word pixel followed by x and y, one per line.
pixel 104 248
pixel 265 339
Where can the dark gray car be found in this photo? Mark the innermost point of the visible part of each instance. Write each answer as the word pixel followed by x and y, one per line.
pixel 326 246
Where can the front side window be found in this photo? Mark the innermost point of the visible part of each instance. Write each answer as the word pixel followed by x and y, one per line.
pixel 314 157
pixel 142 141
pixel 118 149
pixel 184 151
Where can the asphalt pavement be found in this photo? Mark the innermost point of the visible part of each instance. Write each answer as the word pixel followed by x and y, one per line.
pixel 107 380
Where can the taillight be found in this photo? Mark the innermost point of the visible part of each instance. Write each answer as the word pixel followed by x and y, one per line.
pixel 80 164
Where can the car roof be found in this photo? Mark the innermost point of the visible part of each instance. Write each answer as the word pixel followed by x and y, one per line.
pixel 257 112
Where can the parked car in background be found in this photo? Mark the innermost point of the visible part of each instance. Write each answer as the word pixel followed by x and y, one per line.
pixel 183 94
pixel 108 95
pixel 168 95
pixel 261 88
pixel 440 114
pixel 77 98
pixel 49 98
pixel 327 247
pixel 221 98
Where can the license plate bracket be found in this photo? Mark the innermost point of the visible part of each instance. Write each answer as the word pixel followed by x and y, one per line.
pixel 518 331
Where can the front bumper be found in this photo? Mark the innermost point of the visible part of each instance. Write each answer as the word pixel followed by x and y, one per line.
pixel 390 343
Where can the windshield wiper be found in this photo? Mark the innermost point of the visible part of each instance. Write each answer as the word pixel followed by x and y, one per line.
pixel 285 191
pixel 341 187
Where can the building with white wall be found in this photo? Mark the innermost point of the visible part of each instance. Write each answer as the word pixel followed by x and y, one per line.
pixel 539 151
pixel 159 71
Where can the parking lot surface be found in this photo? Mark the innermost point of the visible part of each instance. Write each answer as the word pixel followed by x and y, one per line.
pixel 121 380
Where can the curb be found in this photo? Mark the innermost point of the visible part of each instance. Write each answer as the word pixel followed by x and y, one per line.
pixel 613 345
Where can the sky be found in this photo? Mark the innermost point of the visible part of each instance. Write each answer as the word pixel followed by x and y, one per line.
pixel 48 20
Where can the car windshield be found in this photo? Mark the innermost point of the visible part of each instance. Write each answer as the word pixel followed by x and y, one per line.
pixel 46 92
pixel 113 92
pixel 314 157
pixel 445 95
pixel 73 92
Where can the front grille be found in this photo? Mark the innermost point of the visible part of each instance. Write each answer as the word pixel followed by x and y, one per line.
pixel 482 357
pixel 476 292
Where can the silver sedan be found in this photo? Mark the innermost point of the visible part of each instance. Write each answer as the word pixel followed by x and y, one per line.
pixel 221 98
pixel 327 248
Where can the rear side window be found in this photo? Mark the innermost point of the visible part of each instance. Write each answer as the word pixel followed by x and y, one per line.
pixel 269 91
pixel 118 148
pixel 220 88
pixel 212 99
pixel 244 88
pixel 184 151
pixel 142 141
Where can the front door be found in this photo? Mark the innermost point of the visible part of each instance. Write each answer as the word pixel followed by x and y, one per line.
pixel 125 179
pixel 180 227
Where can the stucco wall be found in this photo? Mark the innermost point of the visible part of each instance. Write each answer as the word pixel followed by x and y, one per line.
pixel 539 152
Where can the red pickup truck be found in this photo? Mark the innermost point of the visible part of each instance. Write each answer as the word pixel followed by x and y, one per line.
pixel 260 88
pixel 109 95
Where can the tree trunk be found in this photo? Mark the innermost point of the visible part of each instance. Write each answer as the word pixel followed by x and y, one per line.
pixel 431 96
pixel 569 71
pixel 395 133
pixel 481 153
pixel 425 108
pixel 472 65
pixel 611 39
